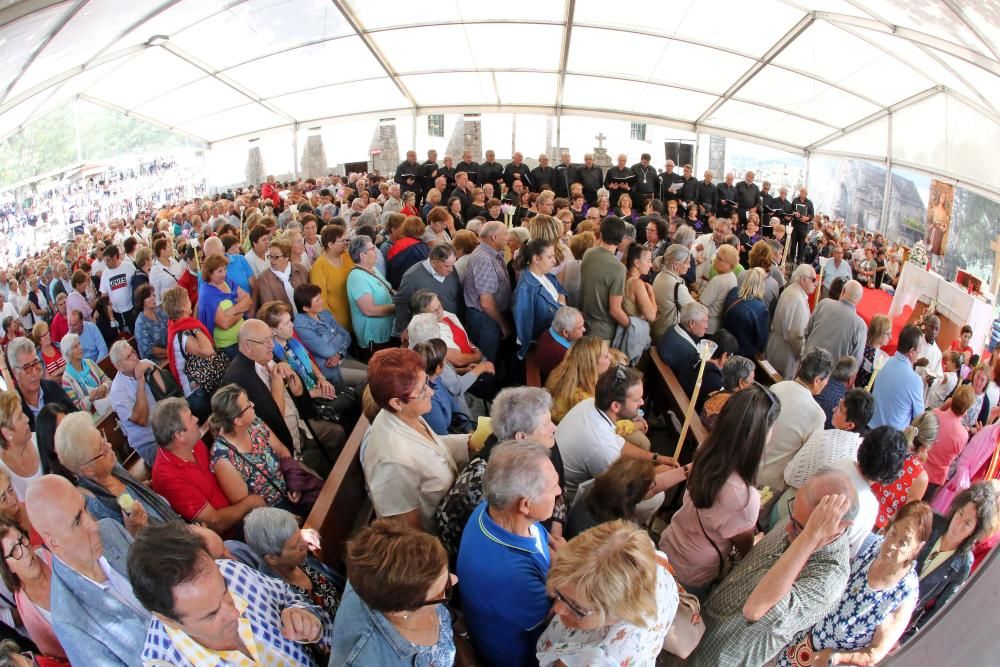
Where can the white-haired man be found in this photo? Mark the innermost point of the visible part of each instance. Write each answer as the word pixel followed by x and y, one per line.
pixel 836 326
pixel 133 400
pixel 787 341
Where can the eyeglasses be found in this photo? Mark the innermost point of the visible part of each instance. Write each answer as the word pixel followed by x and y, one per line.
pixel 32 366
pixel 442 600
pixel 105 448
pixel 572 606
pixel 17 551
pixel 243 411
pixel 275 258
pixel 796 526
pixel 260 342
pixel 423 394
pixel 767 392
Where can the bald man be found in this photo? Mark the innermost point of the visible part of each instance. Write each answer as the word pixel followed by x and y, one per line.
pixel 281 400
pixel 836 326
pixel 95 616
pixel 799 567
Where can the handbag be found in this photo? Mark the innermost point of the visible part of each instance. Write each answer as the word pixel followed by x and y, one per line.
pixel 170 388
pixel 294 469
pixel 686 631
pixel 725 564
pixel 343 408
pixel 206 371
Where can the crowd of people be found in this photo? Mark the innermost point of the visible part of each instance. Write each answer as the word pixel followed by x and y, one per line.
pixel 237 341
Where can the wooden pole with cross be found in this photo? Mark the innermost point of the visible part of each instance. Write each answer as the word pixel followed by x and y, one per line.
pixel 995 277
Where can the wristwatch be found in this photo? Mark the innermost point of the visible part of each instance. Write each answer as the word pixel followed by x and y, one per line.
pixel 656 457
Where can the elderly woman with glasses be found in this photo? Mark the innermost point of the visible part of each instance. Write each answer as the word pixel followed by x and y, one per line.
pixel 274 536
pixel 84 381
pixel 615 600
pixel 394 610
pixel 737 374
pixel 279 282
pixel 370 296
pixel 111 493
pixel 27 573
pixel 408 468
pixel 246 455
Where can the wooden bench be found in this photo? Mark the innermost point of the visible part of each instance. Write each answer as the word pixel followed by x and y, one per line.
pixel 113 433
pixel 108 367
pixel 765 372
pixel 673 398
pixel 343 506
pixel 533 376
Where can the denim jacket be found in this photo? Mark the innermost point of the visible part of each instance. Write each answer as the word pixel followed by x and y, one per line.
pixel 363 637
pixel 323 338
pixel 533 309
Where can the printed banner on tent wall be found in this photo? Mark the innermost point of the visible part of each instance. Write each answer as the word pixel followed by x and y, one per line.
pixel 941 198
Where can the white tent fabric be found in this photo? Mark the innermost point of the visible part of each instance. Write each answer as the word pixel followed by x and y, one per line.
pixel 911 82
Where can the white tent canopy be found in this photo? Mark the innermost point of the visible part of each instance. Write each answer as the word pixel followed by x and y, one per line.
pixel 915 83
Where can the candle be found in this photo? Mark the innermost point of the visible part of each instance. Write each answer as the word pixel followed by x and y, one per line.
pixel 706 348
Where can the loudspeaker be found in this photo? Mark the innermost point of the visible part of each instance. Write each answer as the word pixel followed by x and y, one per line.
pixel 680 152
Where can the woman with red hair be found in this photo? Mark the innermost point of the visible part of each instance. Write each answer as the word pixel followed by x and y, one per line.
pixel 408 468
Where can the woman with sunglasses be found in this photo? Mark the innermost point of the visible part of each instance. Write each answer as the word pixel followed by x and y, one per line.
pixel 27 573
pixel 721 503
pixel 614 600
pixel 394 610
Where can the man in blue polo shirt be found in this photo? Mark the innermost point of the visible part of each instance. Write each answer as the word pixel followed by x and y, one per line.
pixel 504 559
pixel 898 390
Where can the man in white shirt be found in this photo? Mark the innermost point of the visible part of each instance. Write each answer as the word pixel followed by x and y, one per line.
pixel 800 417
pixel 706 244
pixel 95 615
pixel 589 443
pixel 116 284
pixel 928 364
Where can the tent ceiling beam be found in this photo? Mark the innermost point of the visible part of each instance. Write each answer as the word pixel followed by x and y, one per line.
pixel 376 52
pixel 878 115
pixel 956 9
pixel 564 52
pixel 59 25
pixel 145 119
pixel 225 80
pixel 915 36
pixel 18 10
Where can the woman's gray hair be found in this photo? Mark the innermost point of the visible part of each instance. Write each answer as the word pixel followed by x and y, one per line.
pixel 421 300
pixel 357 246
pixel 422 328
pixel 68 342
pixel 735 370
pixel 266 529
pixel 519 410
pixel 675 254
pixel 71 439
pixel 684 235
pixel 630 231
pixel 18 346
pixel 514 471
pixel 226 407
pixel 167 420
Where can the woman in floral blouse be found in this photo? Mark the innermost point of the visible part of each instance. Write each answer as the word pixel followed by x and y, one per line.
pixel 614 600
pixel 273 534
pixel 246 455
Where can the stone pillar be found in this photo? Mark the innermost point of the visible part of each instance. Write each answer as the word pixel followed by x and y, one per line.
pixel 717 157
pixel 384 148
pixel 467 135
pixel 254 171
pixel 314 162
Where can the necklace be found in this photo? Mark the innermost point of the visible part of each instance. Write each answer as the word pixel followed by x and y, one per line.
pixel 413 628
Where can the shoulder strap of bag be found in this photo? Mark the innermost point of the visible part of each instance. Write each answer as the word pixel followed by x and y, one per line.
pixel 722 561
pixel 253 465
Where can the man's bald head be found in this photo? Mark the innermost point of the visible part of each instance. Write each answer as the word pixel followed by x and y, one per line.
pixel 829 482
pixel 213 246
pixel 852 292
pixel 255 341
pixel 46 501
pixel 58 512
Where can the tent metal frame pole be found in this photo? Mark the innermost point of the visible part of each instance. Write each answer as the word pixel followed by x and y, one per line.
pixel 883 224
pixel 295 151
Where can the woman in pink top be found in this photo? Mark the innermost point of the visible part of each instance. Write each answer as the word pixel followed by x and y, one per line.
pixel 28 573
pixel 721 502
pixel 952 436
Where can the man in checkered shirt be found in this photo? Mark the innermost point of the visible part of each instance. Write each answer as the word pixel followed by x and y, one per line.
pixel 220 613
